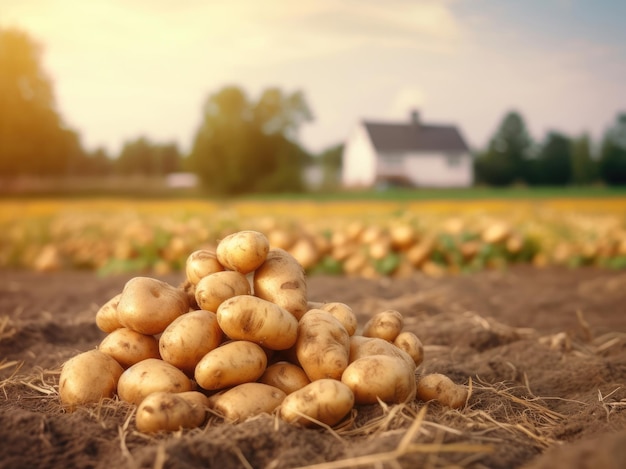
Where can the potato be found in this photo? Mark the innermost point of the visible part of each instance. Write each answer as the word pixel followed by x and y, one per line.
pixel 382 377
pixel 88 377
pixel 148 376
pixel 106 317
pixel 168 412
pixel 411 344
pixel 439 387
pixel 367 346
pixel 323 345
pixel 247 317
pixel 325 400
pixel 285 376
pixel 148 305
pixel 247 400
pixel 281 280
pixel 384 325
pixel 343 313
pixel 233 363
pixel 243 251
pixel 201 263
pixel 214 289
pixel 129 347
pixel 189 338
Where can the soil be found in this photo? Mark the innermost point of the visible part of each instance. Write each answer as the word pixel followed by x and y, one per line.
pixel 542 351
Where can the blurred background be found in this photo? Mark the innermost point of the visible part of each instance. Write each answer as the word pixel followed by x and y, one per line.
pixel 451 115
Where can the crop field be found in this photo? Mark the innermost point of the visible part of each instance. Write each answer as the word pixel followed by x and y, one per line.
pixel 356 237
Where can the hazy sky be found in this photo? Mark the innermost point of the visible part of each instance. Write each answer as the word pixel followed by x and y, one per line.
pixel 126 68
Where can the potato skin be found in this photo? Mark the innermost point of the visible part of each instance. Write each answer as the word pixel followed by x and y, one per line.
pixel 129 347
pixel 88 377
pixel 148 305
pixel 285 376
pixel 382 377
pixel 214 289
pixel 323 345
pixel 201 263
pixel 247 317
pixel 411 344
pixel 106 317
pixel 281 280
pixel 439 387
pixel 148 376
pixel 247 400
pixel 233 363
pixel 343 313
pixel 189 338
pixel 384 325
pixel 243 251
pixel 366 346
pixel 168 412
pixel 325 400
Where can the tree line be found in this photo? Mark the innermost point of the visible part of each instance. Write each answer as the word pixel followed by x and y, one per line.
pixel 244 145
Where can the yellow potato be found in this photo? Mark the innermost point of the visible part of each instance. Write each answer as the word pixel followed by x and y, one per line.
pixel 343 313
pixel 201 263
pixel 326 400
pixel 382 377
pixel 366 346
pixel 411 344
pixel 148 305
pixel 189 338
pixel 129 347
pixel 214 289
pixel 247 317
pixel 441 388
pixel 281 280
pixel 384 325
pixel 148 376
pixel 323 345
pixel 247 400
pixel 285 376
pixel 233 363
pixel 87 378
pixel 106 317
pixel 168 412
pixel 243 251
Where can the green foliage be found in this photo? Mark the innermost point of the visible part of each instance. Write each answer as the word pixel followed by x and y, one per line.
pixel 140 156
pixel 584 167
pixel 613 153
pixel 245 147
pixel 553 166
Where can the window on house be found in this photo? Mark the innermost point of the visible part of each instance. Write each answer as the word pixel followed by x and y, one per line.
pixel 453 159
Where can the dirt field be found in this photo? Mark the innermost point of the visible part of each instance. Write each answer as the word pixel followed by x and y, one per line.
pixel 544 352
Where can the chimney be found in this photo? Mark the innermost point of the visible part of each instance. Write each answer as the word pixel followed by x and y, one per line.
pixel 415 117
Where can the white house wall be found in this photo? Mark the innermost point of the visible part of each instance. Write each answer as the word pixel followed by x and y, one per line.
pixel 359 159
pixel 434 170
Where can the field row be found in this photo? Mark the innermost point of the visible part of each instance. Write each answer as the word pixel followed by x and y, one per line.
pixel 360 238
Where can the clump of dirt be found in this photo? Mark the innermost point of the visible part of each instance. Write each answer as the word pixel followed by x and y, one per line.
pixel 542 351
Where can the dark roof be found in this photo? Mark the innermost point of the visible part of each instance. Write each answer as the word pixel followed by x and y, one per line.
pixel 390 137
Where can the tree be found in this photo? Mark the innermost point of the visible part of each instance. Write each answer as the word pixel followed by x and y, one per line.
pixel 584 168
pixel 555 160
pixel 243 146
pixel 504 161
pixel 140 156
pixel 331 162
pixel 33 138
pixel 613 153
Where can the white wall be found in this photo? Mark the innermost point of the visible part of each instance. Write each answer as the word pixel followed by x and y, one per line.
pixel 358 159
pixel 433 169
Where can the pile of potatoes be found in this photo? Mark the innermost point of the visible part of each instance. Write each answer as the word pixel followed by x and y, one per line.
pixel 238 338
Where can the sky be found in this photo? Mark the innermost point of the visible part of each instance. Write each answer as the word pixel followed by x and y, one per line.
pixel 128 68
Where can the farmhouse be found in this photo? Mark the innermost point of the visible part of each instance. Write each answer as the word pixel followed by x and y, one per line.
pixel 410 153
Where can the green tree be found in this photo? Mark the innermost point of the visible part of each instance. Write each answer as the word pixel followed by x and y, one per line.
pixel 613 153
pixel 504 162
pixel 33 138
pixel 140 156
pixel 555 160
pixel 584 167
pixel 243 146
